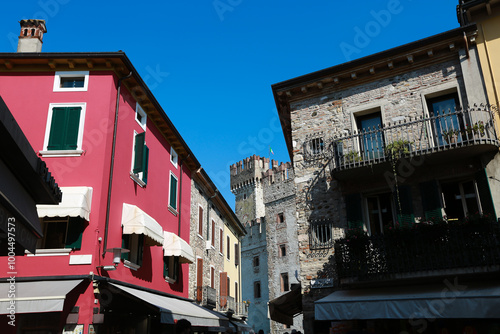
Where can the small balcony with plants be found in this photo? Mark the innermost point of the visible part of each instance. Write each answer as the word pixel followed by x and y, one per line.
pixel 426 249
pixel 467 131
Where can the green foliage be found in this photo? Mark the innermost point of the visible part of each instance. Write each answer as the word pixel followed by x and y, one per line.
pixel 352 156
pixel 397 149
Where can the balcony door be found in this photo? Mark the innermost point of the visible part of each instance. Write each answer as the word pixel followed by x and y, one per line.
pixel 447 124
pixel 371 137
pixel 460 199
pixel 379 212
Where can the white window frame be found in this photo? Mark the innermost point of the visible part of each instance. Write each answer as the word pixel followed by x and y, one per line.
pixel 66 74
pixel 137 177
pixel 198 227
pixel 139 111
pixel 170 192
pixel 366 109
pixel 174 158
pixel 64 153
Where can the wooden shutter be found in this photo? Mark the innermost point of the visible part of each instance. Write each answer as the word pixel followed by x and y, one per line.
pixel 145 162
pixel 140 249
pixel 213 233
pixel 200 220
pixel 139 152
pixel 431 200
pixel 354 211
pixel 74 233
pixel 64 127
pixel 236 254
pixel 483 188
pixel 405 217
pixel 199 280
pixel 223 289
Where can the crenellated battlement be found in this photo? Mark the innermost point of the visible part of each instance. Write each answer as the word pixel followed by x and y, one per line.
pixel 255 169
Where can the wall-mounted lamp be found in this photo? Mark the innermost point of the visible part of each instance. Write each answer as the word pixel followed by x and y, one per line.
pixel 117 254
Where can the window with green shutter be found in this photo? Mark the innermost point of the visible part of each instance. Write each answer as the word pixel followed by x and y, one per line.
pixel 171 268
pixel 64 128
pixel 172 201
pixel 404 206
pixel 59 233
pixel 141 159
pixel 354 211
pixel 431 200
pixel 134 243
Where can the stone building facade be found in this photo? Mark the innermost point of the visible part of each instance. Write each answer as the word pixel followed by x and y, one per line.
pixel 215 237
pixel 342 125
pixel 265 201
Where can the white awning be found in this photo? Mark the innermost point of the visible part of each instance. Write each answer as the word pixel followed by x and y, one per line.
pixel 76 202
pixel 35 297
pixel 173 245
pixel 451 299
pixel 173 309
pixel 136 221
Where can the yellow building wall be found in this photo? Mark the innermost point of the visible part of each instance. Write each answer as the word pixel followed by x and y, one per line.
pixel 488 44
pixel 233 271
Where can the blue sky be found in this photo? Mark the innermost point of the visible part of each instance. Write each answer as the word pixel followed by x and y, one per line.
pixel 211 64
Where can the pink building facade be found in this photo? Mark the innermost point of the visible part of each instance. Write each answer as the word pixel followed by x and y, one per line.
pixel 125 173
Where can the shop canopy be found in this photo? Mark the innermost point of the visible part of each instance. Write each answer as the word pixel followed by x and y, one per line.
pixel 35 297
pixel 173 245
pixel 172 309
pixel 287 306
pixel 450 299
pixel 76 202
pixel 136 221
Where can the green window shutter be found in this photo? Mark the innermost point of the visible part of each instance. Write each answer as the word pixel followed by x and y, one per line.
pixel 145 161
pixel 165 266
pixel 75 232
pixel 431 200
pixel 64 128
pixel 173 192
pixel 406 216
pixel 483 188
pixel 139 152
pixel 140 249
pixel 72 127
pixel 354 211
pixel 125 245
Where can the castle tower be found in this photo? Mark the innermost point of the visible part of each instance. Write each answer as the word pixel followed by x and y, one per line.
pixel 31 36
pixel 246 185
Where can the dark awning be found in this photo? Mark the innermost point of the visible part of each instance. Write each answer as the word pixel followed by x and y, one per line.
pixel 285 307
pixel 172 309
pixel 450 299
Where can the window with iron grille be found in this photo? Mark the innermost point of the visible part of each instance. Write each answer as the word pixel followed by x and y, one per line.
pixel 314 148
pixel 321 234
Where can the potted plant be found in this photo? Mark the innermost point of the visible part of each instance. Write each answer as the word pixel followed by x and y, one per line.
pixel 450 136
pixel 352 156
pixel 397 149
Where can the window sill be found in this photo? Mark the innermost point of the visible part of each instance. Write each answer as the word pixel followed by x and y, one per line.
pixel 131 265
pixel 170 280
pixel 137 179
pixel 61 153
pixel 171 209
pixel 50 252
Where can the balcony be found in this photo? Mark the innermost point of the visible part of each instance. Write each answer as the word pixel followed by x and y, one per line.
pixel 471 131
pixel 242 309
pixel 209 296
pixel 424 250
pixel 227 304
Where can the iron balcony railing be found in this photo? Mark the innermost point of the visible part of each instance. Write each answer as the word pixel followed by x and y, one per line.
pixel 242 309
pixel 412 136
pixel 227 304
pixel 423 250
pixel 209 298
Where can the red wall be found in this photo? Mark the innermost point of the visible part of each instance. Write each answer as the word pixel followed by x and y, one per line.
pixel 28 96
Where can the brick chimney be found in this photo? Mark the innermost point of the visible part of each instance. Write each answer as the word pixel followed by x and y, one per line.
pixel 31 37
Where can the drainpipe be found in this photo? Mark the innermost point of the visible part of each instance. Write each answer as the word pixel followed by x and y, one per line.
pixel 108 204
pixel 180 192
